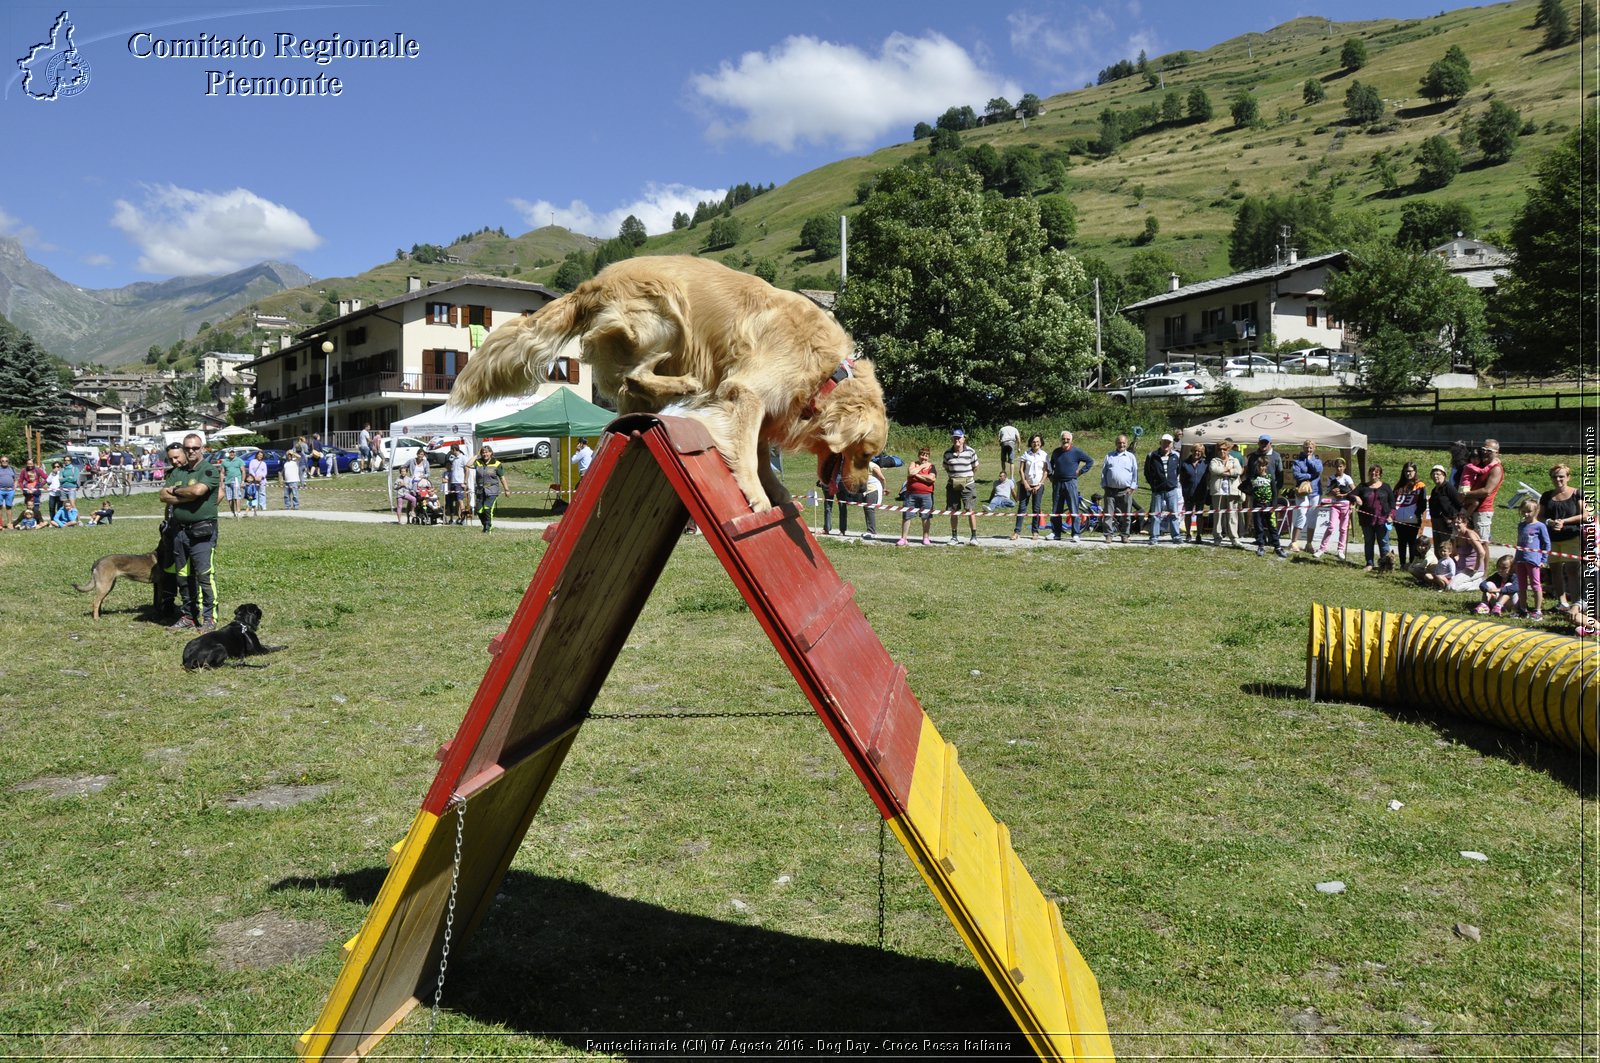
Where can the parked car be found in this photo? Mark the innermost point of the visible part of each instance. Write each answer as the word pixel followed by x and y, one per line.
pixel 403 450
pixel 1248 364
pixel 1307 363
pixel 347 460
pixel 1159 387
pixel 1183 369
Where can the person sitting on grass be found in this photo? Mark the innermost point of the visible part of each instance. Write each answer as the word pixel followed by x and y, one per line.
pixel 102 515
pixel 1499 588
pixel 1002 495
pixel 1443 571
pixel 30 520
pixel 66 516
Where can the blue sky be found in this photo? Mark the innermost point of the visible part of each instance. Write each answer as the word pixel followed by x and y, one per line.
pixel 509 114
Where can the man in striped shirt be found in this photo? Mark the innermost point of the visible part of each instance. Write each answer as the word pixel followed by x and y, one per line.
pixel 960 491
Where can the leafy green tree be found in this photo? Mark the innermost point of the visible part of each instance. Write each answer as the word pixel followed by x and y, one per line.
pixel 1362 104
pixel 1257 236
pixel 573 271
pixel 1030 105
pixel 1588 24
pixel 944 140
pixel 1388 173
pixel 960 302
pixel 724 232
pixel 1557 23
pixel 1199 105
pixel 29 386
pixel 614 250
pixel 1246 112
pixel 986 162
pixel 958 119
pixel 1437 163
pixel 1425 224
pixel 632 232
pixel 766 269
pixel 1353 56
pixel 1448 78
pixel 680 220
pixel 1110 131
pixel 238 408
pixel 999 109
pixel 1147 274
pixel 820 235
pixel 1022 171
pixel 1412 315
pixel 921 131
pixel 1172 108
pixel 1059 219
pixel 1313 91
pixel 1544 311
pixel 110 397
pixel 1497 132
pixel 1152 226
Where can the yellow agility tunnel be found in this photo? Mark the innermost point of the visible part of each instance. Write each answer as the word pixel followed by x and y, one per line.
pixel 1536 682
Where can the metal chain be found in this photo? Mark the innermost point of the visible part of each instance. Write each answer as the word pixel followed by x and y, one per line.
pixel 449 925
pixel 693 715
pixel 883 831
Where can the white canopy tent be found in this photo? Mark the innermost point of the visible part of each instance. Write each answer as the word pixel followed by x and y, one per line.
pixel 1289 424
pixel 458 422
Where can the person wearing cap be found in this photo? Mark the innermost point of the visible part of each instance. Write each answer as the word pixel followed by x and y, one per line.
pixel 960 489
pixel 1444 504
pixel 1119 478
pixel 1307 472
pixel 233 481
pixel 1161 473
pixel 1480 481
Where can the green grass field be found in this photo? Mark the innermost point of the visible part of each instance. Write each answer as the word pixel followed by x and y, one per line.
pixel 186 852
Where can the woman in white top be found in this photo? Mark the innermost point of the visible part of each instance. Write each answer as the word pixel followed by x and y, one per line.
pixel 1225 471
pixel 1033 464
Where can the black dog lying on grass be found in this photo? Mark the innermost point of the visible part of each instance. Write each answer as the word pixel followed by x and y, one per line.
pixel 234 641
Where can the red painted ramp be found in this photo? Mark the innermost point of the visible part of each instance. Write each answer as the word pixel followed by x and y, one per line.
pixel 648 477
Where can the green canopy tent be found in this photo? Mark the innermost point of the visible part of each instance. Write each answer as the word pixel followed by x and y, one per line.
pixel 564 415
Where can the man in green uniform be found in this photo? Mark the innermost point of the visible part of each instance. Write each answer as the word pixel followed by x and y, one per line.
pixel 192 490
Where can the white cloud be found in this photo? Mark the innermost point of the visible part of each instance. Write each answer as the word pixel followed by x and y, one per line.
pixel 97 260
pixel 181 231
pixel 655 208
pixel 12 226
pixel 1072 45
pixel 806 90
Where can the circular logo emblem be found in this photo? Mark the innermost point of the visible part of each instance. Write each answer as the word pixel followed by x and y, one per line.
pixel 67 74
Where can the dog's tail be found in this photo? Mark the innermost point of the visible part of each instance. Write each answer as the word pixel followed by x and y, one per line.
pixel 517 356
pixel 87 587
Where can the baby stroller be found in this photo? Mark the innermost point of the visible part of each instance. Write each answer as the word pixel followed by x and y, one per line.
pixel 427 509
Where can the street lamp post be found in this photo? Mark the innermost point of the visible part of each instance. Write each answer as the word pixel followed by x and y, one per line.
pixel 327 391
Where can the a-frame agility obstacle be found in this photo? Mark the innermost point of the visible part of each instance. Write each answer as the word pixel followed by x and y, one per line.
pixel 649 476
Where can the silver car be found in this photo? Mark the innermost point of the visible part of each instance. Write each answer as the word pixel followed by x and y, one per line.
pixel 1159 387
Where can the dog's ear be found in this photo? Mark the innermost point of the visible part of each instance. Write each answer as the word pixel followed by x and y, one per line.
pixel 853 417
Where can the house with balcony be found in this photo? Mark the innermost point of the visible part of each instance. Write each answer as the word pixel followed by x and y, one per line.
pixel 390 360
pixel 1229 316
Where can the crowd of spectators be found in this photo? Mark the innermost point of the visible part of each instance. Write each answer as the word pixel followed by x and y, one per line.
pixel 1438 528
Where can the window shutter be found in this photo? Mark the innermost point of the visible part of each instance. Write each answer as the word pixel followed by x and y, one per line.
pixel 487 313
pixel 455 316
pixel 430 314
pixel 572 370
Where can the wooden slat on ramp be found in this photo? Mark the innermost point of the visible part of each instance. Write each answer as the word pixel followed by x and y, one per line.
pixel 648 477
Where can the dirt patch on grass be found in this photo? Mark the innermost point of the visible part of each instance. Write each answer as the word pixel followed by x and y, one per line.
pixel 67 786
pixel 276 797
pixel 266 939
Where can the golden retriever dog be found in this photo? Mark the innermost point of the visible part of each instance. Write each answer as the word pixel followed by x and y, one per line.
pixel 686 336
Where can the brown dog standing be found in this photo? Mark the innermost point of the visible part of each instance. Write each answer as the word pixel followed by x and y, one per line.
pixel 141 568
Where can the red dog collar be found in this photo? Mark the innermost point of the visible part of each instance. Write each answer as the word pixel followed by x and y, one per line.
pixel 845 371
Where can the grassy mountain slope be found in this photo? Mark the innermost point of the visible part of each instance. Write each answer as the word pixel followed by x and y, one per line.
pixel 1190 177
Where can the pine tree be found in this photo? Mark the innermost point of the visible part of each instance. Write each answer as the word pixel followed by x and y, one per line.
pixel 29 386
